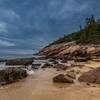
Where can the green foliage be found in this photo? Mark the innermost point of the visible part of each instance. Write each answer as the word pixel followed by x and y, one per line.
pixel 89 34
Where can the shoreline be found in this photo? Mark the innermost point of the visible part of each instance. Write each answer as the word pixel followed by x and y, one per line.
pixel 40 86
pixel 30 64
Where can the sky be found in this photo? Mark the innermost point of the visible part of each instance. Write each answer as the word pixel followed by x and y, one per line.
pixel 28 25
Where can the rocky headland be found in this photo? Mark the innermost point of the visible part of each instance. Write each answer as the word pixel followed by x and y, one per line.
pixel 74 51
pixel 70 54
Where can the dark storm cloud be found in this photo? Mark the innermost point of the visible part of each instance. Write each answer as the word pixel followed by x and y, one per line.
pixel 31 24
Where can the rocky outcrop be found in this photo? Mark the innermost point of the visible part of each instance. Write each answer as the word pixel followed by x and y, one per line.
pixel 92 76
pixel 24 61
pixel 61 78
pixel 10 75
pixel 70 50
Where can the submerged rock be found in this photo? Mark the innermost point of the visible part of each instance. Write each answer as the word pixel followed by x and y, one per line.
pixel 10 75
pixel 61 78
pixel 92 76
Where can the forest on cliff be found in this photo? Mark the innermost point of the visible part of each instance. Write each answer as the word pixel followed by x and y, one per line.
pixel 89 33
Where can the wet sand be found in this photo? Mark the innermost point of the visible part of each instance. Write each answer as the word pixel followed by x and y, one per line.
pixel 40 87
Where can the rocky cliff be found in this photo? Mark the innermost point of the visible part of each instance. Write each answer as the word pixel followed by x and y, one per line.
pixel 71 49
pixel 83 43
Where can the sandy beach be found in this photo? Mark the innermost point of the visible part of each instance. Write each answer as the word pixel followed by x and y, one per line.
pixel 39 86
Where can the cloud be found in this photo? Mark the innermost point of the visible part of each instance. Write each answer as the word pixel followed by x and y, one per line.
pixel 71 7
pixel 3 27
pixel 18 51
pixel 6 43
pixel 8 15
pixel 32 24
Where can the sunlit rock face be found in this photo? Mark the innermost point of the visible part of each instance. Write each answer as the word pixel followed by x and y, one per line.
pixel 92 76
pixel 73 49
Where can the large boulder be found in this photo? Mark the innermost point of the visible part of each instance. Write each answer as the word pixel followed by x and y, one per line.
pixel 10 75
pixel 24 61
pixel 92 76
pixel 61 78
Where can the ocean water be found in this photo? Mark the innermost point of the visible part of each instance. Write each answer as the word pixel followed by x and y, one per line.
pixel 15 56
pixel 29 67
pixel 2 65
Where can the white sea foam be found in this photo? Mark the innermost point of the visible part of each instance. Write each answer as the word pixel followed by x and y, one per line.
pixel 30 72
pixel 3 66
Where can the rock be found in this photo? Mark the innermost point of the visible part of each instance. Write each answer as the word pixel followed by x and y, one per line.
pixel 47 65
pixel 53 61
pixel 77 65
pixel 97 80
pixel 71 75
pixel 92 76
pixel 61 67
pixel 10 75
pixel 70 50
pixel 62 79
pixel 36 66
pixel 64 59
pixel 96 59
pixel 2 60
pixel 24 61
pixel 74 71
pixel 88 84
pixel 78 71
pixel 81 59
